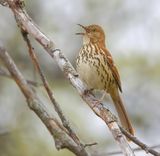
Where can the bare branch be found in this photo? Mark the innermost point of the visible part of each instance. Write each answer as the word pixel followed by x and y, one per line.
pixel 4 73
pixel 90 144
pixel 135 150
pixel 61 137
pixel 140 143
pixel 33 56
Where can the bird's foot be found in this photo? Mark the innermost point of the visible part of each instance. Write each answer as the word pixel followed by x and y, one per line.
pixel 97 103
pixel 88 91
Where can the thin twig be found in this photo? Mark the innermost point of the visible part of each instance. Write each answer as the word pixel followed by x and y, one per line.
pixel 90 144
pixel 140 143
pixel 4 73
pixel 135 150
pixel 34 59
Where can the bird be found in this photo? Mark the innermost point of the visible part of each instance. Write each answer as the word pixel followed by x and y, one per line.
pixel 95 67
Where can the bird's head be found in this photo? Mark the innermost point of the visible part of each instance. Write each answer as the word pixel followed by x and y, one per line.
pixel 93 34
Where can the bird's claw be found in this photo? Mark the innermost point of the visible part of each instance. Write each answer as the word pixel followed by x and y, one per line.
pixel 88 91
pixel 97 103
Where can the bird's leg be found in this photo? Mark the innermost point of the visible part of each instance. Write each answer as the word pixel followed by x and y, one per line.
pixel 103 96
pixel 97 102
pixel 88 91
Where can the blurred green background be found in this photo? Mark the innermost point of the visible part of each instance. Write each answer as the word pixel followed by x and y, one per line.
pixel 132 36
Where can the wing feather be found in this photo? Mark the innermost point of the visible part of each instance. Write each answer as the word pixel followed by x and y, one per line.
pixel 113 68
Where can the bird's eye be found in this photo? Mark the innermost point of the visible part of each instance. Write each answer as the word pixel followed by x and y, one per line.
pixel 94 30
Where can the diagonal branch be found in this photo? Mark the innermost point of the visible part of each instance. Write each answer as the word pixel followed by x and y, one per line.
pixel 143 146
pixel 61 137
pixel 28 26
pixel 135 150
pixel 34 58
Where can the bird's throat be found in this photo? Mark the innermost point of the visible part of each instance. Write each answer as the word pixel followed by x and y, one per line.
pixel 86 39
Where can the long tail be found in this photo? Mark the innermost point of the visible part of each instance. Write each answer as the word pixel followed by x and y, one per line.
pixel 122 112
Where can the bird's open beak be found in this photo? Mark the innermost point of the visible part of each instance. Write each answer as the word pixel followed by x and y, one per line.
pixel 82 33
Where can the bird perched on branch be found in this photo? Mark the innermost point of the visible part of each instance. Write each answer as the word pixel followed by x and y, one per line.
pixel 96 68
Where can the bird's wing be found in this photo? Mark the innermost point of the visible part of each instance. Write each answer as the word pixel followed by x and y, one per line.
pixel 113 68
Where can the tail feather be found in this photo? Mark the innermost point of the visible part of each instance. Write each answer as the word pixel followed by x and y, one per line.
pixel 122 112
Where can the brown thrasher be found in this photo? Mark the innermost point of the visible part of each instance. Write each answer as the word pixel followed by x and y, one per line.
pixel 96 68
